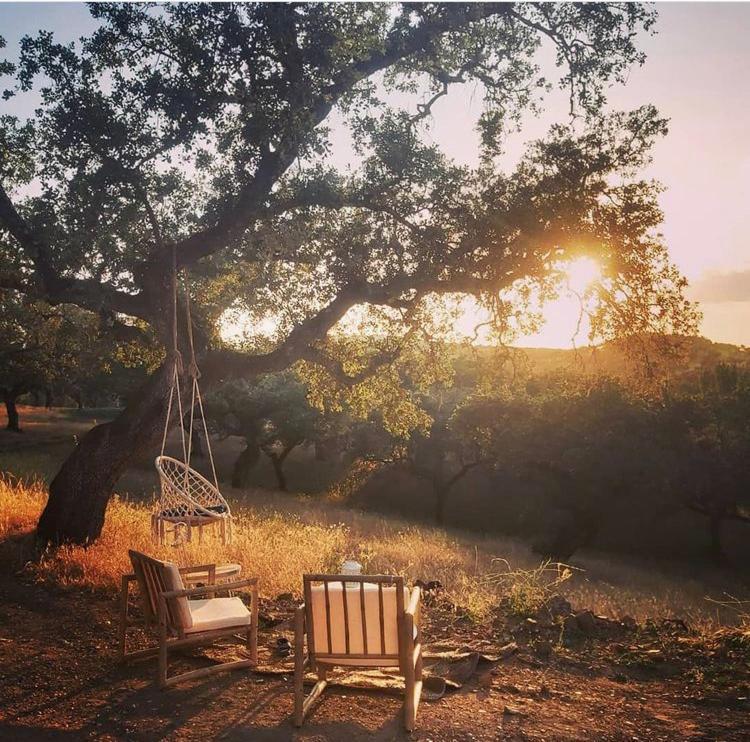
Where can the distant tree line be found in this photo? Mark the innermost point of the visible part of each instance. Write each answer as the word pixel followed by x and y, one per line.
pixel 562 456
pixel 62 353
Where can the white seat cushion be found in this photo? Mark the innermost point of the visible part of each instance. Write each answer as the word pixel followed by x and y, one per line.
pixel 354 614
pixel 217 613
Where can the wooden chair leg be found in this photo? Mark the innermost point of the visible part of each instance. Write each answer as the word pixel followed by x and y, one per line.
pixel 303 705
pixel 412 669
pixel 252 632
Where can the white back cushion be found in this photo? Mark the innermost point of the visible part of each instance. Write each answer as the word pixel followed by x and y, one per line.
pixel 178 606
pixel 354 615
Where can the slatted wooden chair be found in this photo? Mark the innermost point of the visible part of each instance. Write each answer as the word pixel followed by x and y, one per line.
pixel 188 617
pixel 362 621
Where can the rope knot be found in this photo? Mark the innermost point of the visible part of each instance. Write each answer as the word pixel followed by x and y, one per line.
pixel 193 369
pixel 178 362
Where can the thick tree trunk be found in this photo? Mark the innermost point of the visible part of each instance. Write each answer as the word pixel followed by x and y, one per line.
pixel 278 459
pixel 82 488
pixel 246 461
pixel 48 398
pixel 10 407
pixel 278 470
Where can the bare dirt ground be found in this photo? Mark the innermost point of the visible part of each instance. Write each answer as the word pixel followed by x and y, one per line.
pixel 59 680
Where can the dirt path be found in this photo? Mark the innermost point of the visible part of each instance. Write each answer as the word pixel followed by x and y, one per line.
pixel 58 680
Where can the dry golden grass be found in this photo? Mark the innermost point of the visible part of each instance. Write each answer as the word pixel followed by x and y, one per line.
pixel 279 537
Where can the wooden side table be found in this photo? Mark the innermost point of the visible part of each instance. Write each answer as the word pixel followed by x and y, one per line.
pixel 224 573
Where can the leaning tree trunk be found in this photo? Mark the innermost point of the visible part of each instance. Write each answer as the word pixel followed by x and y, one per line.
pixel 79 494
pixel 10 407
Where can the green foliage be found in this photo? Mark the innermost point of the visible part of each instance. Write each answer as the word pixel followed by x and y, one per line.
pixel 178 124
pixel 197 134
pixel 65 348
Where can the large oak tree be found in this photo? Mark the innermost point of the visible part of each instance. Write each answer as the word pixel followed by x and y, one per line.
pixel 199 134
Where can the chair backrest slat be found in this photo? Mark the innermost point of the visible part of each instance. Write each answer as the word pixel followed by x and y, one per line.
pixel 345 604
pixel 381 615
pixel 363 614
pixel 155 577
pixel 364 623
pixel 328 618
pixel 309 618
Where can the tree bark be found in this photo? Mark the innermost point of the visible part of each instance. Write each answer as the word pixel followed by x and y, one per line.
pixel 10 407
pixel 80 492
pixel 244 464
pixel 278 459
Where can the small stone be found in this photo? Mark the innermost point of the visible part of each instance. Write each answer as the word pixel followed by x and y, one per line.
pixel 629 623
pixel 558 606
pixel 485 681
pixel 543 649
pixel 586 621
pixel 513 711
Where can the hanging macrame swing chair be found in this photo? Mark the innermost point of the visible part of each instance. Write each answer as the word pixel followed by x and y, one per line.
pixel 188 500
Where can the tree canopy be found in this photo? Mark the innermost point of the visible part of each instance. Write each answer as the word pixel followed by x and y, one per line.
pixel 200 134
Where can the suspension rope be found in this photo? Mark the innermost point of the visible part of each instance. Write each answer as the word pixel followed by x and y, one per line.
pixel 194 373
pixel 177 367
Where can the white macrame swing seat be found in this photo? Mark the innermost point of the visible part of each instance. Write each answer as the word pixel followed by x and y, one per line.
pixel 187 500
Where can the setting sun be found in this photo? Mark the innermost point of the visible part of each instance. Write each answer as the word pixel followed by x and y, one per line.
pixel 581 274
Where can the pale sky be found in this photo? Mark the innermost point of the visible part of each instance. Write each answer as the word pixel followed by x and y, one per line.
pixel 697 74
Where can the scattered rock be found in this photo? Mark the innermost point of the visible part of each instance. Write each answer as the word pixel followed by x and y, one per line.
pixel 543 649
pixel 507 650
pixel 485 680
pixel 570 630
pixel 513 711
pixel 629 623
pixel 558 606
pixel 586 622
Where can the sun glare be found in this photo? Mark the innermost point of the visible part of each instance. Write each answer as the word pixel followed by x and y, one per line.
pixel 581 274
pixel 563 324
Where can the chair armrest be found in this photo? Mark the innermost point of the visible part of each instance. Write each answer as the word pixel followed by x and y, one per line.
pixel 413 606
pixel 212 589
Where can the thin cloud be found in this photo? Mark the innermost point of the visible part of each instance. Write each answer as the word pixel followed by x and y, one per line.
pixel 722 287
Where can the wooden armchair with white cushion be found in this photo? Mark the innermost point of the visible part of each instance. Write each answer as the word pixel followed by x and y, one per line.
pixel 188 617
pixel 357 621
